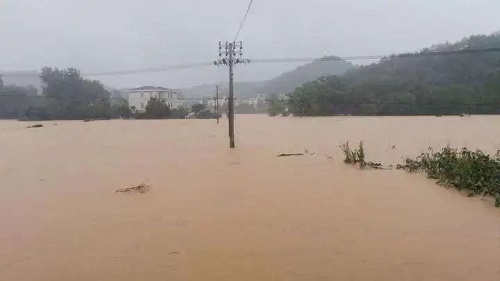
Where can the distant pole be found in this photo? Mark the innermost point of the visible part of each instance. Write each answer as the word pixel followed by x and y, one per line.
pixel 301 105
pixel 227 58
pixel 217 102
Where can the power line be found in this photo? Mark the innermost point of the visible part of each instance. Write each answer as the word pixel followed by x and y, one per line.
pixel 149 70
pixel 305 59
pixel 124 72
pixel 378 57
pixel 279 60
pixel 243 21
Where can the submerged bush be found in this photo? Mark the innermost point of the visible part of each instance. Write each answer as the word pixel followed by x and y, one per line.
pixel 353 156
pixel 472 171
pixel 357 156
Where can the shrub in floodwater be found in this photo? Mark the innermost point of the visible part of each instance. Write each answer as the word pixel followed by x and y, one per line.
pixel 472 171
pixel 352 156
pixel 357 156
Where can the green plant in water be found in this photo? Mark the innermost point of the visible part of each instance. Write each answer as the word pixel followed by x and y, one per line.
pixel 360 153
pixel 353 156
pixel 472 171
pixel 349 156
pixel 357 156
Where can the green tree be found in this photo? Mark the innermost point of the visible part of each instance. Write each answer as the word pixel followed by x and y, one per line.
pixel 197 107
pixel 201 112
pixel 180 112
pixel 74 97
pixel 205 114
pixel 121 109
pixel 275 105
pixel 15 100
pixel 157 108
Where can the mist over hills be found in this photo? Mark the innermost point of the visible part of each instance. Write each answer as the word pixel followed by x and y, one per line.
pixel 280 85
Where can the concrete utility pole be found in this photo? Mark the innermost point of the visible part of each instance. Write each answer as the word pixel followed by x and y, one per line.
pixel 227 57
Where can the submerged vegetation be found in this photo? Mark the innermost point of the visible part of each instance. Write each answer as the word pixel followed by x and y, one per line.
pixel 475 172
pixel 472 171
pixel 357 156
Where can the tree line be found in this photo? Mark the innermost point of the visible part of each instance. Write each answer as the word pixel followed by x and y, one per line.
pixel 407 84
pixel 68 96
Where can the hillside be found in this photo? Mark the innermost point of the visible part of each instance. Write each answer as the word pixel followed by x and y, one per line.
pixel 412 84
pixel 468 69
pixel 283 84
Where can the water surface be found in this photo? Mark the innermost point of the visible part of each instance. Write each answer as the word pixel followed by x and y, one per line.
pixel 216 214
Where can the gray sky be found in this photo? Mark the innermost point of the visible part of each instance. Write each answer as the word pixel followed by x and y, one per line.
pixel 106 35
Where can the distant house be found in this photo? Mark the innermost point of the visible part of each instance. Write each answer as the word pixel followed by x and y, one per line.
pixel 139 97
pixel 211 103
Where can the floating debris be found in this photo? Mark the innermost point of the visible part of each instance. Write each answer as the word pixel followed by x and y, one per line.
pixel 35 126
pixel 141 188
pixel 374 165
pixel 290 154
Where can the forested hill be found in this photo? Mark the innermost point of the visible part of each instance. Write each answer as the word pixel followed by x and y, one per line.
pixel 283 84
pixel 442 70
pixel 412 84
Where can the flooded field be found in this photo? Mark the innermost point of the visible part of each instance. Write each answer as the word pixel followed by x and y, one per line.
pixel 216 214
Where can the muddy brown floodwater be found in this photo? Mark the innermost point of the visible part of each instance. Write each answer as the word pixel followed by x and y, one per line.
pixel 216 214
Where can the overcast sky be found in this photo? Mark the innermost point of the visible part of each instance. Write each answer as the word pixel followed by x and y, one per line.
pixel 106 35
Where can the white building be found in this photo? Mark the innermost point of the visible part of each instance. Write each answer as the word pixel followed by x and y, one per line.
pixel 260 98
pixel 139 97
pixel 211 103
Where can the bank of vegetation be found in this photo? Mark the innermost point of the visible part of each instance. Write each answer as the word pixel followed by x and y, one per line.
pixel 409 84
pixel 475 172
